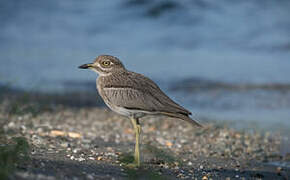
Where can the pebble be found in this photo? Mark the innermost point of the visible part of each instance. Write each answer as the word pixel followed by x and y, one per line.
pixel 11 124
pixel 279 169
pixel 64 144
pixel 89 176
pixel 81 159
pixel 287 157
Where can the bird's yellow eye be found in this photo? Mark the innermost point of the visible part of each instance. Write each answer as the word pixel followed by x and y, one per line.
pixel 106 63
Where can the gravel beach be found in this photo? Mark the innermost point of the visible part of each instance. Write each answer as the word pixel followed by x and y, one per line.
pixel 79 139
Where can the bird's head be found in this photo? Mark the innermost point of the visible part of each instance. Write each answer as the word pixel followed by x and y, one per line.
pixel 104 65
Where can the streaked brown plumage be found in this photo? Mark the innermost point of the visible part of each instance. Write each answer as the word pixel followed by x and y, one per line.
pixel 132 94
pixel 136 92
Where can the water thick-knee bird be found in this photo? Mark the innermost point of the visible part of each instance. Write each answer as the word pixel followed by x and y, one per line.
pixel 133 95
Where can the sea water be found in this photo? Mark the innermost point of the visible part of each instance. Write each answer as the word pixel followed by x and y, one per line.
pixel 179 44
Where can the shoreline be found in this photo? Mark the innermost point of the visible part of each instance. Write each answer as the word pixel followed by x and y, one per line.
pixel 88 97
pixel 259 109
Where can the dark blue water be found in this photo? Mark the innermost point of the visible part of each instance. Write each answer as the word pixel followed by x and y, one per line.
pixel 176 43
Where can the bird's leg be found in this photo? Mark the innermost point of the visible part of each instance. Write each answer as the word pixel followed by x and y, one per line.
pixel 137 128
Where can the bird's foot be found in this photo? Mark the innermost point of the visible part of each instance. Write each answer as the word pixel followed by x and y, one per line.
pixel 133 165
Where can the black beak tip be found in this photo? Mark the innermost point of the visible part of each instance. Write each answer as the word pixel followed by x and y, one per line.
pixel 84 66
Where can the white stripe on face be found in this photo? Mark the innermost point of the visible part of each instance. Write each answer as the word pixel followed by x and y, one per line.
pixel 102 71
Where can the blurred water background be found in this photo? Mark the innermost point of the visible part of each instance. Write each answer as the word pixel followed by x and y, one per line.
pixel 224 60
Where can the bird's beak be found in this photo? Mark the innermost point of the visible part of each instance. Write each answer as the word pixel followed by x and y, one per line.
pixel 85 66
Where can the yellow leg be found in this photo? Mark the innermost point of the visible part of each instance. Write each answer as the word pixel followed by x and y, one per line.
pixel 137 129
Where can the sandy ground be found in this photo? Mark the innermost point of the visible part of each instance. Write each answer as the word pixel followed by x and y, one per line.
pixel 79 140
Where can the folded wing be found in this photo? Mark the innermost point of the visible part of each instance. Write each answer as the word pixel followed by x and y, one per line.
pixel 140 93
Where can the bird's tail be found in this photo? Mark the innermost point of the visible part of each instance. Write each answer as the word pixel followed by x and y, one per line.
pixel 183 117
